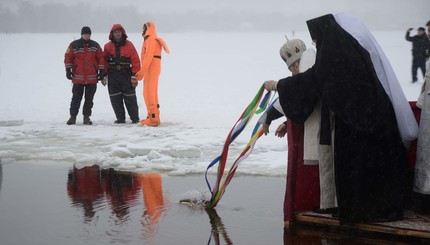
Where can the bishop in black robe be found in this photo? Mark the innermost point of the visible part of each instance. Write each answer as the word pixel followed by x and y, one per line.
pixel 369 156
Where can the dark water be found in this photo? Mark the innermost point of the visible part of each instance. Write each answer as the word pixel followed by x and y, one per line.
pixel 55 203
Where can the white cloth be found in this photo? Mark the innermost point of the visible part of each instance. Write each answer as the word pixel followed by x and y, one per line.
pixel 311 137
pixel 326 174
pixel 406 122
pixel 278 106
pixel 313 152
pixel 422 167
pixel 312 124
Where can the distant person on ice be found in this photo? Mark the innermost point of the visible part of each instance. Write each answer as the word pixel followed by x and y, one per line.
pixel 150 71
pixel 122 65
pixel 84 66
pixel 354 82
pixel 420 51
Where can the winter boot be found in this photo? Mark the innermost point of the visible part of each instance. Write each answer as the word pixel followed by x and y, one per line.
pixel 87 120
pixel 153 119
pixel 72 120
pixel 119 121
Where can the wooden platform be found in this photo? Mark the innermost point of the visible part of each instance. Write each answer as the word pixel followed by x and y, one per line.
pixel 413 225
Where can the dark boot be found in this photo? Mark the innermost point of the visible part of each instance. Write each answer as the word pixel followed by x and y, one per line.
pixel 72 120
pixel 87 120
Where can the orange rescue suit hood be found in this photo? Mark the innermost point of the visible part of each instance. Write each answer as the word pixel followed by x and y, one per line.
pixel 149 29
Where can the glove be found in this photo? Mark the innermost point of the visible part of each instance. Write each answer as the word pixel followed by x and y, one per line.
pixel 104 81
pixel 69 73
pixel 101 75
pixel 410 29
pixel 139 75
pixel 133 81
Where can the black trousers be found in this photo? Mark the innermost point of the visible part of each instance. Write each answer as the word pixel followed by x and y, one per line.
pixel 78 91
pixel 418 63
pixel 121 92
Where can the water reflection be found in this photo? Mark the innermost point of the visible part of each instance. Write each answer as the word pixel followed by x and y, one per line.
pixel 217 228
pixel 121 192
pixel 85 187
pixel 91 187
pixel 152 197
pixel 154 206
pixel 137 205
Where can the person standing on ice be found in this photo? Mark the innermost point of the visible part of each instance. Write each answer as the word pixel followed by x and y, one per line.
pixel 84 66
pixel 373 119
pixel 420 51
pixel 293 52
pixel 122 65
pixel 150 71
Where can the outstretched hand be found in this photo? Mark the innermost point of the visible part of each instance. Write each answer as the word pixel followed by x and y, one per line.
pixel 270 85
pixel 133 81
pixel 281 131
pixel 139 75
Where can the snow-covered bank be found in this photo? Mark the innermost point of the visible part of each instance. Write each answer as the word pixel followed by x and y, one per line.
pixel 206 82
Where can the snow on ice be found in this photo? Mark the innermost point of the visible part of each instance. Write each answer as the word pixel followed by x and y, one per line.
pixel 205 84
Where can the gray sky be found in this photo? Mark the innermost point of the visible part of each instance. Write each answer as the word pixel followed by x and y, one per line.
pixel 376 14
pixel 398 7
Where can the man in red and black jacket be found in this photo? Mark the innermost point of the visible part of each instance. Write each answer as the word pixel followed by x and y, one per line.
pixel 84 66
pixel 122 62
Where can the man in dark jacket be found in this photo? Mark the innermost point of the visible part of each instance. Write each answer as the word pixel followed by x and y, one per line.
pixel 83 59
pixel 122 65
pixel 420 51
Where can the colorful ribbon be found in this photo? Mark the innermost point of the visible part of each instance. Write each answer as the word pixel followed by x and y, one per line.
pixel 255 107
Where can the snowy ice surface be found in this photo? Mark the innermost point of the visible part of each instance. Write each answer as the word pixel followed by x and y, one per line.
pixel 206 83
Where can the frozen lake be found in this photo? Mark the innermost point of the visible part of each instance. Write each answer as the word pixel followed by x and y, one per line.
pixel 206 83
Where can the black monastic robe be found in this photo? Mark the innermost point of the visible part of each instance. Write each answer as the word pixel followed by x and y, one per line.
pixel 369 156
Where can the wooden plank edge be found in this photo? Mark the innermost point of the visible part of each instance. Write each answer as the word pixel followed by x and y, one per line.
pixel 379 228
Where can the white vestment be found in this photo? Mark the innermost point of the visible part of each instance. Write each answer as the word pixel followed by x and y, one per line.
pixel 422 167
pixel 406 121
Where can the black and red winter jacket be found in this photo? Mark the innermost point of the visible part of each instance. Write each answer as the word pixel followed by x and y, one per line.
pixel 85 58
pixel 121 56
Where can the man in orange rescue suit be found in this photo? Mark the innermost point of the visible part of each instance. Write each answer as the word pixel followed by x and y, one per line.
pixel 83 59
pixel 122 64
pixel 150 71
